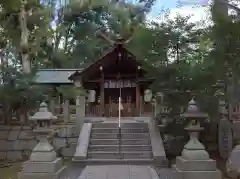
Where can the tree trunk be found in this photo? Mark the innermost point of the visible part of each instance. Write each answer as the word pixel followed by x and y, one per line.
pixel 7 115
pixel 219 10
pixel 24 38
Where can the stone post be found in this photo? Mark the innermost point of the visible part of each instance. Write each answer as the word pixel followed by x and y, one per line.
pixel 164 111
pixel 22 116
pixel 50 97
pixel 66 111
pixel 43 162
pixel 194 163
pixel 80 106
pixel 52 106
pixel 158 102
pixel 225 133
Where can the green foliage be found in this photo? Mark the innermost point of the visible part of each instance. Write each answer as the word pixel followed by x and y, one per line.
pixel 17 91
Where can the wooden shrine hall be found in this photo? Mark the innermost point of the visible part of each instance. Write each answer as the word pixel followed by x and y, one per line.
pixel 116 74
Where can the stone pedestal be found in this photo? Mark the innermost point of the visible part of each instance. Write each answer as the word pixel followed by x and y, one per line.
pixel 194 163
pixel 205 169
pixel 43 163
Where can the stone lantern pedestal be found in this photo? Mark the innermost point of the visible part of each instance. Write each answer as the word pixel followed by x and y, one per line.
pixel 43 162
pixel 194 163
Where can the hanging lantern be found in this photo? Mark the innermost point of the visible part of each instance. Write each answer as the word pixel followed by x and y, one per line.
pixel 91 96
pixel 147 95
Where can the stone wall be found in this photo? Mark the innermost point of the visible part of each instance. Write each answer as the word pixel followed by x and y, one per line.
pixel 17 142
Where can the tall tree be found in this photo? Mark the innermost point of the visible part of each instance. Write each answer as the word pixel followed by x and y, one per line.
pixel 24 45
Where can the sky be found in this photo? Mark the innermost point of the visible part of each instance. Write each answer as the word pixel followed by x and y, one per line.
pixel 197 9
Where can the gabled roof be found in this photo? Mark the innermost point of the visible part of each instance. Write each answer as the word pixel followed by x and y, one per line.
pixel 54 76
pixel 106 59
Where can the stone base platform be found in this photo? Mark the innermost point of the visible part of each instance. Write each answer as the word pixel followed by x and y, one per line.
pixel 200 174
pixel 56 175
pixel 199 165
pixel 39 170
pixel 197 169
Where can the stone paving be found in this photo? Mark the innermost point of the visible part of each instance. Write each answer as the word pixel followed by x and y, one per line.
pixel 72 172
pixel 118 172
pixel 76 171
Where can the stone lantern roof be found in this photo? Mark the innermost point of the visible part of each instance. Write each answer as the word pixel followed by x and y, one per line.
pixel 193 112
pixel 43 114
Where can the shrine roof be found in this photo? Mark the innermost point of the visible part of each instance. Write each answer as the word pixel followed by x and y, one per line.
pixel 65 76
pixel 106 59
pixel 54 76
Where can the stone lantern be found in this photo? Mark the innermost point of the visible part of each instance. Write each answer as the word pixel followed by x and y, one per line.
pixel 194 161
pixel 233 163
pixel 43 162
pixel 194 116
pixel 164 111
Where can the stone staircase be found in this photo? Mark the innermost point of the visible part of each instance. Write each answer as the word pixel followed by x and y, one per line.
pixel 132 145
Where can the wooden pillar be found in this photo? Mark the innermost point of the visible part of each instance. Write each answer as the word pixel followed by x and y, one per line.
pixel 137 113
pixel 137 99
pixel 102 94
pixel 61 103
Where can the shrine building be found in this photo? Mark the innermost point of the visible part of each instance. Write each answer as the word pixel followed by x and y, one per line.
pixel 116 74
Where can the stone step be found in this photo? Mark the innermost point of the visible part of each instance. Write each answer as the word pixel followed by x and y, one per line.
pixel 114 161
pixel 122 155
pixel 123 125
pixel 116 135
pixel 115 148
pixel 116 130
pixel 123 142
